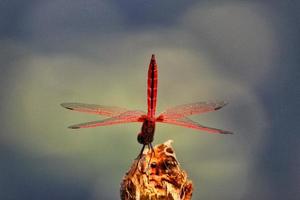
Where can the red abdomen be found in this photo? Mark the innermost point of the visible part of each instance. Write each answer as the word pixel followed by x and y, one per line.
pixel 152 87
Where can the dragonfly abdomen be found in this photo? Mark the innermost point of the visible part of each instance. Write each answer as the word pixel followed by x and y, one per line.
pixel 152 87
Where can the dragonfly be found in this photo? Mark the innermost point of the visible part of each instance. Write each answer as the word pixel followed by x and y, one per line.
pixel 177 115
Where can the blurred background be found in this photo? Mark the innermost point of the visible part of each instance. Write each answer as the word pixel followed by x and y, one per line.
pixel 98 51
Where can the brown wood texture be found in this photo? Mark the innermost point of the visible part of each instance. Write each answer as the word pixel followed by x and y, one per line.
pixel 156 176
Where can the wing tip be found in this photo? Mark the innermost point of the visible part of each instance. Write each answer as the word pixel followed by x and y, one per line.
pixel 74 127
pixel 221 105
pixel 67 106
pixel 218 108
pixel 227 132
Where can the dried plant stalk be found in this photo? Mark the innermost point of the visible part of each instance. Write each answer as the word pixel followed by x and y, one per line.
pixel 156 176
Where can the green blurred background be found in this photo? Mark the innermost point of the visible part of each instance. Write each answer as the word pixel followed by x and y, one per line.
pixel 98 51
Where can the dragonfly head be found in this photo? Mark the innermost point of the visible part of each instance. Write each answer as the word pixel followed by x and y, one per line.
pixel 140 138
pixel 147 133
pixel 145 138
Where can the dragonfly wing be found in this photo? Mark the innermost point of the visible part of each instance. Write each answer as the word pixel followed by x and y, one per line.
pixel 188 123
pixel 127 117
pixel 192 109
pixel 94 109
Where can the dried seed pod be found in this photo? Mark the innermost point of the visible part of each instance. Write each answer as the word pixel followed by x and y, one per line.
pixel 156 176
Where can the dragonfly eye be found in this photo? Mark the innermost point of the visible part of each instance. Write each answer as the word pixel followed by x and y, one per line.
pixel 140 138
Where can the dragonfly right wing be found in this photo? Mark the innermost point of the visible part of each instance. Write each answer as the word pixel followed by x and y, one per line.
pixel 185 110
pixel 126 117
pixel 188 123
pixel 109 111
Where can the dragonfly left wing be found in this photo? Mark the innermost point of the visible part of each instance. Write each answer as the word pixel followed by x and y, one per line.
pixel 127 117
pixel 188 123
pixel 94 109
pixel 181 111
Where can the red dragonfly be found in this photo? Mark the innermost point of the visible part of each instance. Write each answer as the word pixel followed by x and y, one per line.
pixel 176 115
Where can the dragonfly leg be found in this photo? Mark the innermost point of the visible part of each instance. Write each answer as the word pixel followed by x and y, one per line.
pixel 152 149
pixel 139 158
pixel 141 152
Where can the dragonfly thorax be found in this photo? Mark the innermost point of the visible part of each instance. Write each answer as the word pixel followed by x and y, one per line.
pixel 147 133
